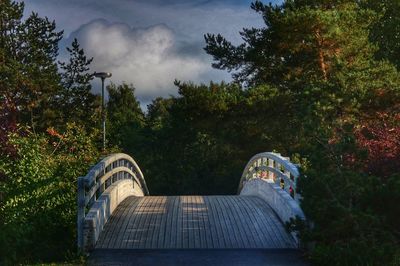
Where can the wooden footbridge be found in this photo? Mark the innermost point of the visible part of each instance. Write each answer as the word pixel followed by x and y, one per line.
pixel 119 223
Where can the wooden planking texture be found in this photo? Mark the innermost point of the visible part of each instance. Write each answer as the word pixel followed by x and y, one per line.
pixel 194 222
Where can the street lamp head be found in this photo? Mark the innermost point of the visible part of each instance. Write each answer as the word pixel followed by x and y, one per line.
pixel 102 75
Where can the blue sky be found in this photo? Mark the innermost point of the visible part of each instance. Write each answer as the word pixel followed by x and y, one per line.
pixel 149 43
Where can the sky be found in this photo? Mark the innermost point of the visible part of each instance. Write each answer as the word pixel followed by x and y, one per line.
pixel 148 43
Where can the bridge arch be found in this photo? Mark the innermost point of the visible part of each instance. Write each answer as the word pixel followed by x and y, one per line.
pixel 107 184
pixel 273 178
pixel 267 197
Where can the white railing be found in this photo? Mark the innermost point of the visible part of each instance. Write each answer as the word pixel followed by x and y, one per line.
pixel 108 171
pixel 273 167
pixel 273 178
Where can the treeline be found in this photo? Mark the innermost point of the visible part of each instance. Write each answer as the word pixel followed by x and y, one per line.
pixel 319 82
pixel 48 137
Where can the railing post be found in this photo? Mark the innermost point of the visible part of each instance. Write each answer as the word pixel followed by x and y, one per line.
pixel 287 180
pixel 283 172
pixel 271 174
pixel 81 212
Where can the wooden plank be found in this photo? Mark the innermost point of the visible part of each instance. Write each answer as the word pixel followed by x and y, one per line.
pixel 229 204
pixel 146 226
pixel 156 224
pixel 105 234
pixel 269 239
pixel 180 223
pixel 243 223
pixel 135 226
pixel 190 222
pixel 195 222
pixel 175 223
pixel 226 226
pixel 252 223
pixel 185 229
pixel 273 220
pixel 168 222
pixel 264 241
pixel 167 207
pixel 122 239
pixel 143 220
pixel 151 231
pixel 222 223
pixel 246 223
pixel 241 238
pixel 202 214
pixel 113 226
pixel 273 229
pixel 189 217
pixel 161 218
pixel 270 228
pixel 221 241
pixel 186 216
pixel 150 225
pixel 132 224
pixel 165 227
pixel 233 226
pixel 206 227
pixel 212 232
pixel 152 228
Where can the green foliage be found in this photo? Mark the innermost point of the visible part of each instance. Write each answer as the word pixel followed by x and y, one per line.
pixel 189 141
pixel 354 215
pixel 386 31
pixel 319 84
pixel 200 141
pixel 76 96
pixel 29 79
pixel 124 116
pixel 38 207
pixel 302 41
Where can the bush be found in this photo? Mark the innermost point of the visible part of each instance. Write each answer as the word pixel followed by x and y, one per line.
pixel 38 207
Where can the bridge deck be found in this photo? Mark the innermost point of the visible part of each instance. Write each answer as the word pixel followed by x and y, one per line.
pixel 182 222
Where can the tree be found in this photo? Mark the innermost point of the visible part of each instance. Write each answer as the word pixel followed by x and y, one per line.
pixel 319 74
pixel 191 145
pixel 125 117
pixel 29 78
pixel 386 30
pixel 302 40
pixel 76 95
pixel 38 204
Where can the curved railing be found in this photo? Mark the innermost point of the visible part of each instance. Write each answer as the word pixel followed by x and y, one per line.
pixel 274 167
pixel 272 177
pixel 111 170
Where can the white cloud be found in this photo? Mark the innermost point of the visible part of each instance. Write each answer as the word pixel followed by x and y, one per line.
pixel 190 18
pixel 149 58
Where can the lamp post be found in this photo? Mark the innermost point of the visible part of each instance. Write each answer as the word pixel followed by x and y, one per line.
pixel 103 76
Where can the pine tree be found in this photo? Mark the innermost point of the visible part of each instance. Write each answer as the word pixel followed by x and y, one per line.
pixel 76 95
pixel 29 74
pixel 301 40
pixel 386 30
